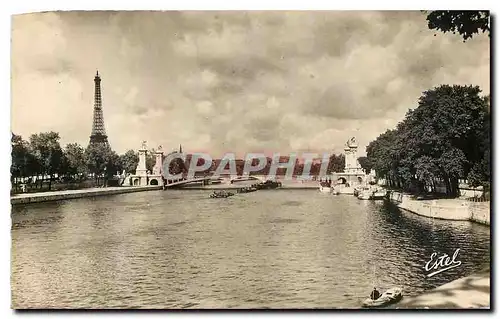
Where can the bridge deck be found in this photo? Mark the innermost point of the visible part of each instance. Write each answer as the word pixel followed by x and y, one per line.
pixel 184 182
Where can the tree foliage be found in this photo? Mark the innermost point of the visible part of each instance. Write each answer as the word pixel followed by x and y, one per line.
pixel 336 164
pixel 365 164
pixel 177 165
pixel 446 138
pixel 47 153
pixel 102 161
pixel 20 153
pixel 129 161
pixel 150 159
pixel 42 157
pixel 466 23
pixel 74 160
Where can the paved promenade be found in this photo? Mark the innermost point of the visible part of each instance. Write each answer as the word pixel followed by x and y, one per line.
pixel 79 193
pixel 468 292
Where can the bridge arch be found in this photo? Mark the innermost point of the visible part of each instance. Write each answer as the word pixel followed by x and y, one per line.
pixel 154 182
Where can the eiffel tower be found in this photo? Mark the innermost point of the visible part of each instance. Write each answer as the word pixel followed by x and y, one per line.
pixel 98 135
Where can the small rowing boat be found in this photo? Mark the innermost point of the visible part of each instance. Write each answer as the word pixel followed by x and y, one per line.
pixel 390 296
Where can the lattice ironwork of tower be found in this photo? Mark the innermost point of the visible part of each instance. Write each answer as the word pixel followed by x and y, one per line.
pixel 98 132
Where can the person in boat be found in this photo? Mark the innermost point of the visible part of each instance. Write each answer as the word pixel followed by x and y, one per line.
pixel 375 294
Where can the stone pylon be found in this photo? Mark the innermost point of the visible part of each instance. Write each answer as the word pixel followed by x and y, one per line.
pixel 141 169
pixel 158 168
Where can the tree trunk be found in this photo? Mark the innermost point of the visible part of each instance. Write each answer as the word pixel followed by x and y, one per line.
pixel 454 187
pixel 448 186
pixel 50 181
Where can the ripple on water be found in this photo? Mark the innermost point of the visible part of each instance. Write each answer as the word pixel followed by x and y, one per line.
pixel 285 220
pixel 292 203
pixel 178 224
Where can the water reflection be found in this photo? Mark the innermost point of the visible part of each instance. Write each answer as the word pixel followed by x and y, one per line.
pixel 264 249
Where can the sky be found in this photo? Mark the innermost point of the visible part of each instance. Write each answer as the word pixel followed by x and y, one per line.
pixel 236 81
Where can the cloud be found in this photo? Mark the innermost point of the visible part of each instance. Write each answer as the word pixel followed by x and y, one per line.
pixel 232 81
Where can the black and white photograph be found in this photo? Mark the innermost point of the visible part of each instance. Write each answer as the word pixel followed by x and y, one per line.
pixel 250 159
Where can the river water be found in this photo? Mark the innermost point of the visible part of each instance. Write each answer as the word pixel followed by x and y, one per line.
pixel 267 249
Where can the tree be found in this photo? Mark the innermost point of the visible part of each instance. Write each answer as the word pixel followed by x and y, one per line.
pixel 444 138
pixel 177 166
pixel 19 151
pixel 336 163
pixel 101 161
pixel 427 172
pixel 113 166
pixel 129 161
pixel 315 169
pixel 466 23
pixel 48 153
pixel 74 160
pixel 479 175
pixel 22 160
pixel 383 156
pixel 365 164
pixel 298 169
pixel 150 159
pixel 240 165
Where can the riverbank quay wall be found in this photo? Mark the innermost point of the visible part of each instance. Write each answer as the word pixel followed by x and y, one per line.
pixel 21 199
pixel 449 209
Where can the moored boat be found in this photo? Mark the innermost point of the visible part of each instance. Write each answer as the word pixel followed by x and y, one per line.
pixel 325 187
pixel 379 194
pixel 390 296
pixel 372 193
pixel 221 194
pixel 269 184
pixel 357 190
pixel 365 193
pixel 247 189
